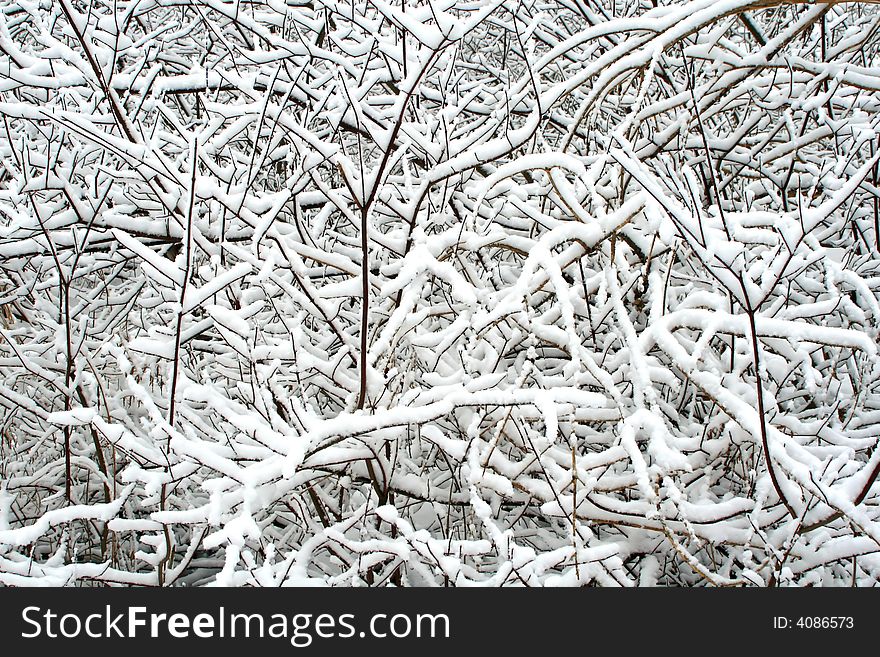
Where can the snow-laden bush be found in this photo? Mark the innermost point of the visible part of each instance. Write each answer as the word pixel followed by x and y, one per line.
pixel 439 293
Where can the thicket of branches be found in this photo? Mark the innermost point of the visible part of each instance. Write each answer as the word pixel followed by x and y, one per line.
pixel 515 292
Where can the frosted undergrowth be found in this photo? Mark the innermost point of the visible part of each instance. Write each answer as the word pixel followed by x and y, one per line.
pixel 470 294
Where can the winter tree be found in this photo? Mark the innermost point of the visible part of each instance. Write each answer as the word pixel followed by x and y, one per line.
pixel 438 293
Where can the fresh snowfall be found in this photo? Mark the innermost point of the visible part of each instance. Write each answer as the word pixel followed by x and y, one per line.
pixel 379 293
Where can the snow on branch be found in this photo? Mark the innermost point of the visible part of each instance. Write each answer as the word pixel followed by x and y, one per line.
pixel 368 293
